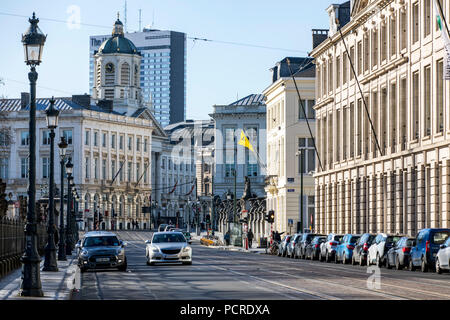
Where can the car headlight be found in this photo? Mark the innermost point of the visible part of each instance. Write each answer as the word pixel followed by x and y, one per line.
pixel 84 253
pixel 186 249
pixel 155 249
pixel 120 251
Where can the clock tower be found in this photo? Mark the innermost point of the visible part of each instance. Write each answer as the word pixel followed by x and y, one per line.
pixel 117 72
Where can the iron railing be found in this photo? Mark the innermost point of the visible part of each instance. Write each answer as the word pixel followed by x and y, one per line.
pixel 12 243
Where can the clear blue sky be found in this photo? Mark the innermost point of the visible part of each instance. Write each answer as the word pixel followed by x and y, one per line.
pixel 216 73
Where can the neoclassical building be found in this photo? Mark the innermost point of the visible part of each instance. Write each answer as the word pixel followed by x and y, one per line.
pixel 287 134
pixel 386 168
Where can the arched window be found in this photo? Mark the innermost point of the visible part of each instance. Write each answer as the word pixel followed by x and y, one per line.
pixel 110 74
pixel 136 75
pixel 125 74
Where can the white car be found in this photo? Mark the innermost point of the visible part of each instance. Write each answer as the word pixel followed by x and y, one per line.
pixel 168 247
pixel 443 257
pixel 380 246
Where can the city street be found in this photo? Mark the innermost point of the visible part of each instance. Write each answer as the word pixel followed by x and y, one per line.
pixel 219 274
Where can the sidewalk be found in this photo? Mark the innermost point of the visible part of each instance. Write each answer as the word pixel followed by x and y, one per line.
pixel 230 248
pixel 55 285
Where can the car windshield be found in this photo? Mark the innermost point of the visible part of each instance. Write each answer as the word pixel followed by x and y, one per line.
pixel 168 237
pixel 440 237
pixel 354 239
pixel 105 241
pixel 410 242
pixel 392 239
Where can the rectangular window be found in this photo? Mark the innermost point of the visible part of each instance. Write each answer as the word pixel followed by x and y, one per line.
pixel 393 115
pixel 338 72
pixel 138 144
pixel 138 173
pixel 104 169
pixel 130 143
pixel 415 105
pixel 360 58
pixel 86 138
pixel 113 169
pixel 121 143
pixel 145 144
pixel 426 18
pixel 375 120
pixel 104 140
pixel 24 162
pixel 366 54
pixel 383 115
pixel 393 36
pixel 344 68
pixel 374 48
pixel 338 135
pixel 415 20
pixel 330 75
pixel 352 129
pixel 440 96
pixel 24 138
pixel 95 139
pixel 344 133
pixel 427 100
pixel 403 114
pixel 306 158
pixel 121 168
pixel 359 127
pixel 96 168
pixel 113 141
pixel 129 171
pixel 383 41
pixel 145 173
pixel 403 29
pixel 352 58
pixel 4 168
pixel 87 168
pixel 45 168
pixel 46 137
pixel 67 134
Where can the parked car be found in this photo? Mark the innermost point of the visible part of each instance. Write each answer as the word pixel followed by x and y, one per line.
pixel 443 257
pixel 290 249
pixel 328 248
pixel 102 250
pixel 313 248
pixel 304 241
pixel 168 227
pixel 344 250
pixel 162 227
pixel 168 247
pixel 399 254
pixel 283 245
pixel 379 248
pixel 428 242
pixel 361 249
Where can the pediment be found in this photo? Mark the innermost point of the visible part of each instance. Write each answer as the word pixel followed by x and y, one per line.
pixel 359 5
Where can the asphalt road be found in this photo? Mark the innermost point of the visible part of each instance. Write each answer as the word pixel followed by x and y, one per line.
pixel 223 275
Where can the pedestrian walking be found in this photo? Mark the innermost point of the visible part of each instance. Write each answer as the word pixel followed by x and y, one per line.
pixel 250 237
pixel 227 238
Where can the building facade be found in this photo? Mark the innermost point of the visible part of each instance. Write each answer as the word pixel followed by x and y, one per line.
pixel 162 73
pixel 385 153
pixel 287 134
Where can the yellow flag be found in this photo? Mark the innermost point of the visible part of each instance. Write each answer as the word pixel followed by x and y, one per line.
pixel 244 141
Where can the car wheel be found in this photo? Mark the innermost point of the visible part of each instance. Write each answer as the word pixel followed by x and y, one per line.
pixel 327 257
pixel 424 266
pixel 411 265
pixel 336 258
pixel 353 261
pixel 388 265
pixel 361 261
pixel 320 257
pixel 398 266
pixel 344 260
pixel 438 266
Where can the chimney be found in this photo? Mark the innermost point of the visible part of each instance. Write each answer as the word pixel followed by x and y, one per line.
pixel 319 36
pixel 24 100
pixel 83 100
pixel 106 105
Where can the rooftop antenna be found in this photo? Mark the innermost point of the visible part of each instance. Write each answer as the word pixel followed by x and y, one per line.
pixel 125 15
pixel 140 19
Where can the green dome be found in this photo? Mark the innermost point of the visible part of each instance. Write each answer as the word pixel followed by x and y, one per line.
pixel 118 43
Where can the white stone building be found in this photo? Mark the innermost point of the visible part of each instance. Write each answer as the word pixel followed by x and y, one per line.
pixel 393 176
pixel 287 133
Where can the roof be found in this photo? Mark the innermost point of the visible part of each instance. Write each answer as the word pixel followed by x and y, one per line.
pixel 118 43
pixel 62 104
pixel 300 67
pixel 250 100
pixel 99 233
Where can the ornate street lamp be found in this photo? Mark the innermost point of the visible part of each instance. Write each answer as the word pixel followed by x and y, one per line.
pixel 62 232
pixel 69 169
pixel 33 42
pixel 50 263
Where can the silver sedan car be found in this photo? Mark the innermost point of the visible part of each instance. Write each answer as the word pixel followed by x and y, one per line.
pixel 168 247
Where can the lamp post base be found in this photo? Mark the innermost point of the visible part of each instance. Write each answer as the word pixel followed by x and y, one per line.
pixel 31 284
pixel 50 260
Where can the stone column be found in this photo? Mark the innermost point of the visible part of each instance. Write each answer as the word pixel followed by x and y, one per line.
pixel 348 207
pixel 445 189
pixel 340 207
pixel 356 220
pixel 390 205
pixel 411 201
pixel 372 205
pixel 329 208
pixel 323 211
pixel 399 202
pixel 434 195
pixel 336 209
pixel 363 207
pixel 317 208
pixel 380 202
pixel 420 217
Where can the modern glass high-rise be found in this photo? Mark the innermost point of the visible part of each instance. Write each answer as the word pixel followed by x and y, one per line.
pixel 163 70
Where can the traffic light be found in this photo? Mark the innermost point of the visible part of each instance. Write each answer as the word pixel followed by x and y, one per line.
pixel 208 218
pixel 270 216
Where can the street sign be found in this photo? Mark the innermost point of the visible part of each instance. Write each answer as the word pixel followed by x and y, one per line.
pixel 290 222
